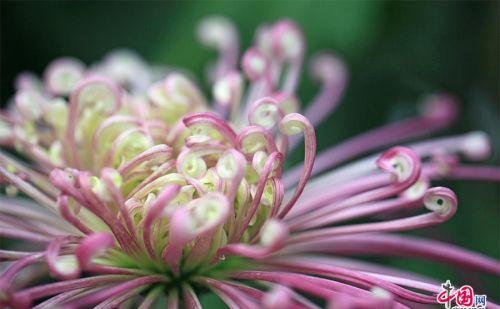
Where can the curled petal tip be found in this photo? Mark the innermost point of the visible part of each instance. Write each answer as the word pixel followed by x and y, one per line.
pixel 127 68
pixel 62 178
pixel 288 39
pixel 62 75
pixel 99 92
pixel 202 215
pixel 441 107
pixel 93 245
pixel 402 162
pixel 476 146
pixel 180 89
pixel 113 175
pixel 29 104
pixel 228 89
pixel 294 123
pixel 26 80
pixel 442 201
pixel 210 210
pixel 216 31
pixel 273 233
pixel 254 63
pixel 325 66
pixel 191 164
pixel 265 112
pixel 289 103
pixel 66 267
pixel 61 266
pixel 254 138
pixel 231 164
pixel 259 161
pixel 209 124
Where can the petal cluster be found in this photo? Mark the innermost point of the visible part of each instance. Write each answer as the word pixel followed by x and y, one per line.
pixel 150 190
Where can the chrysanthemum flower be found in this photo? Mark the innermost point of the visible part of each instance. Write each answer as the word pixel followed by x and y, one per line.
pixel 151 193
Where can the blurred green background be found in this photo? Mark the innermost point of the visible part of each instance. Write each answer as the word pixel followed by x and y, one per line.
pixel 396 53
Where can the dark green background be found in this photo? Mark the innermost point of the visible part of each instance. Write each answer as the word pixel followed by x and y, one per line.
pixel 396 52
